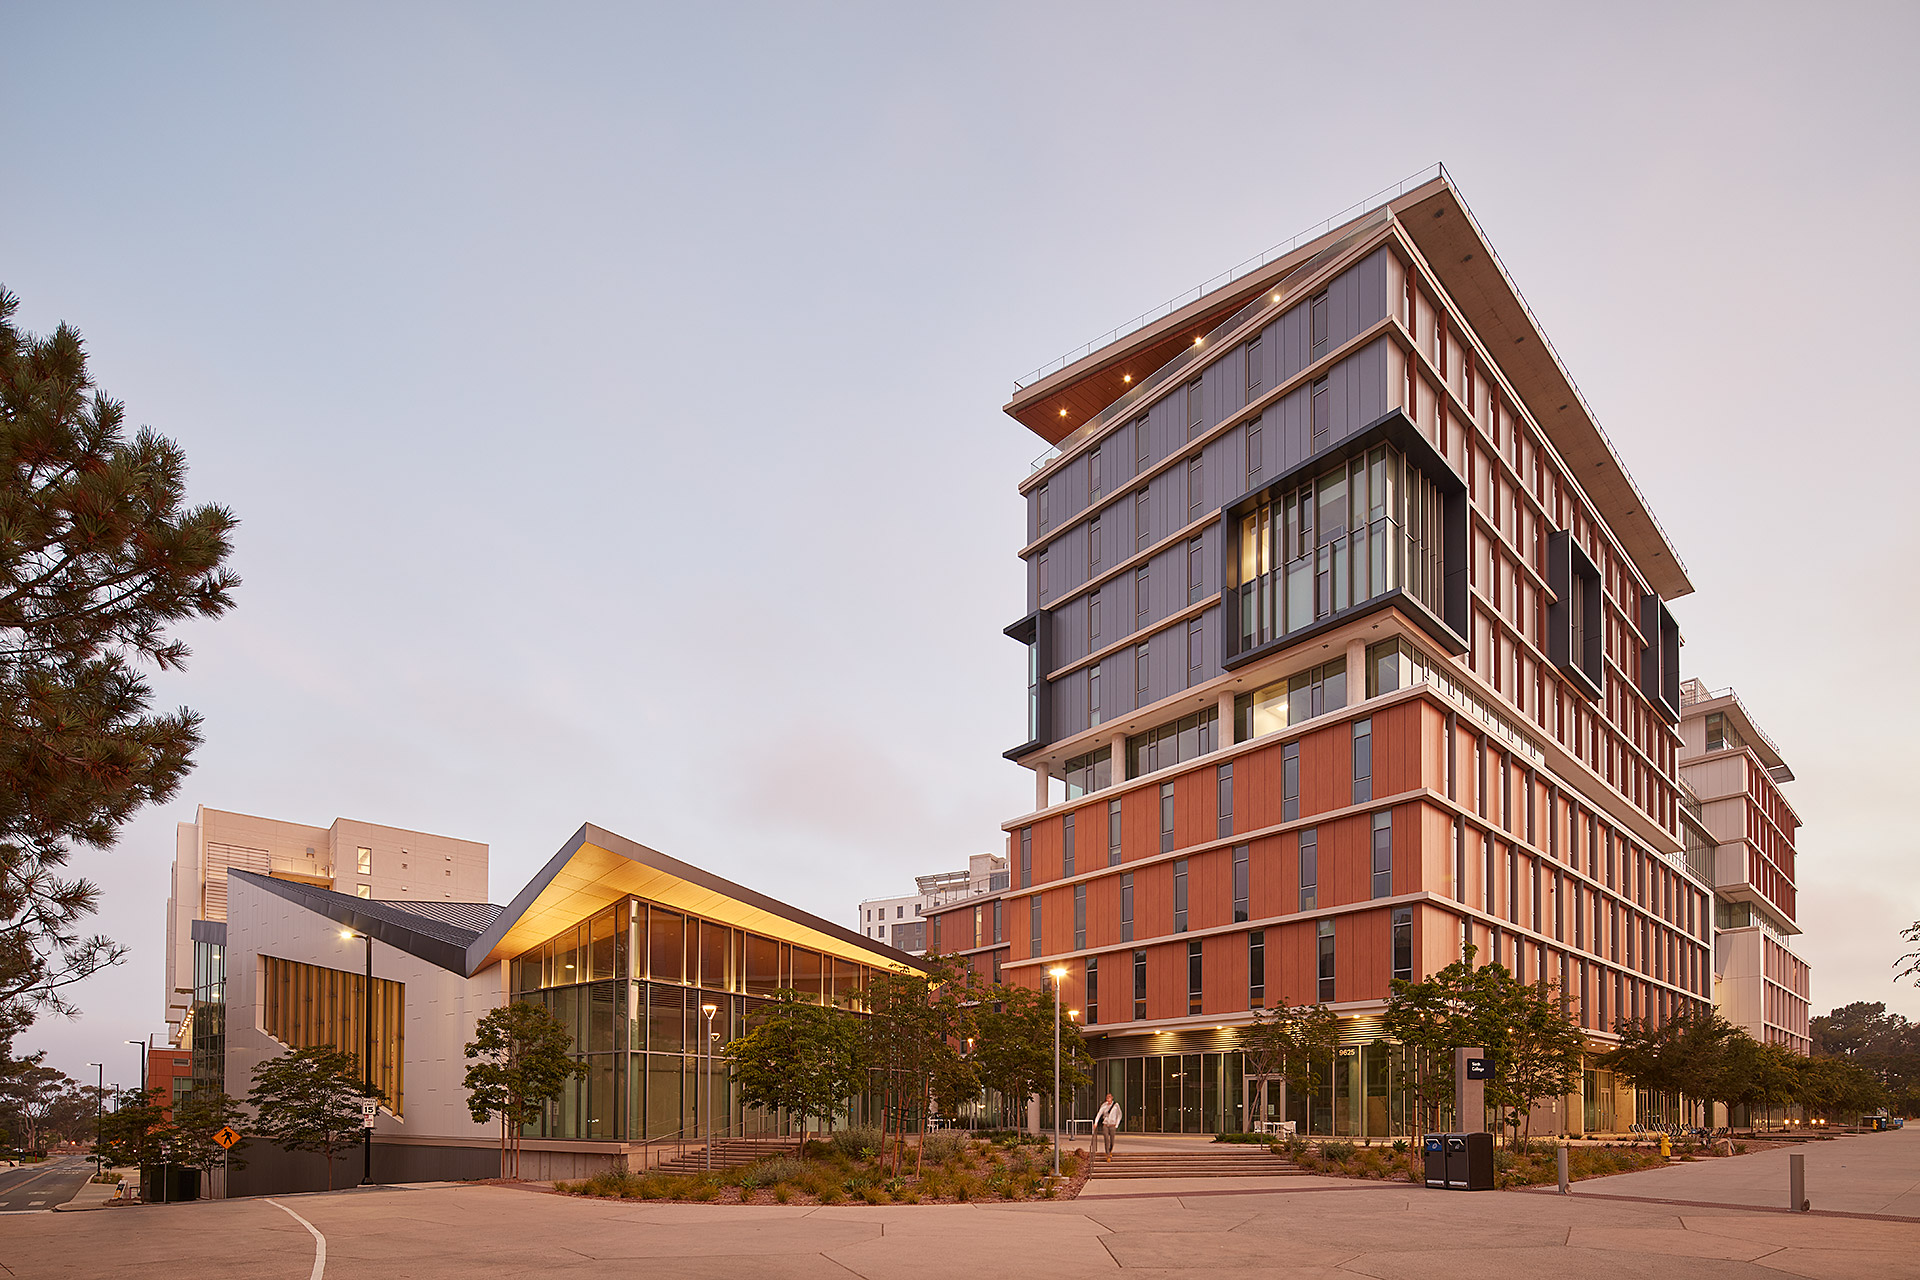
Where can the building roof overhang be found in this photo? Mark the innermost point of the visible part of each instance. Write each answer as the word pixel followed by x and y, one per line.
pixel 1439 225
pixel 596 868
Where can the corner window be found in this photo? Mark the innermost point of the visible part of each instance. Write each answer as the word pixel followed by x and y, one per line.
pixel 1256 969
pixel 1326 961
pixel 1240 884
pixel 1309 869
pixel 1403 944
pixel 1383 854
pixel 1362 761
pixel 1223 788
pixel 1026 856
pixel 1290 782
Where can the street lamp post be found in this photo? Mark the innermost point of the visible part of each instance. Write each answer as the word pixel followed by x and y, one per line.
pixel 143 1066
pixel 99 1111
pixel 1057 973
pixel 366 1059
pixel 707 1092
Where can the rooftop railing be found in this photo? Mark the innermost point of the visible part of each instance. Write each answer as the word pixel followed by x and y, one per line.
pixel 1228 276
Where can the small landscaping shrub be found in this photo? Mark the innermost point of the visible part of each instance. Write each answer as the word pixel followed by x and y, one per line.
pixel 858 1142
pixel 1338 1152
pixel 943 1145
pixel 782 1193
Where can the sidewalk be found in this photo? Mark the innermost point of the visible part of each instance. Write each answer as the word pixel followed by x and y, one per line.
pixel 1873 1173
pixel 94 1195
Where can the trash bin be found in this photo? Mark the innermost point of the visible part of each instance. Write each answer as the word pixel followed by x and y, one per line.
pixel 1435 1145
pixel 1470 1161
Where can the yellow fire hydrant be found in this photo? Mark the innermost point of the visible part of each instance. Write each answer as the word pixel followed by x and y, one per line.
pixel 1666 1147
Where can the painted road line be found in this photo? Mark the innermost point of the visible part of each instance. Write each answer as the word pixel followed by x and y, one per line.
pixel 319 1241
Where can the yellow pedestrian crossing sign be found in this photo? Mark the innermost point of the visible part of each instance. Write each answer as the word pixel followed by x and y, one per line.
pixel 227 1136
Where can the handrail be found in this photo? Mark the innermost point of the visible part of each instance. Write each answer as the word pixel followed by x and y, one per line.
pixel 1167 308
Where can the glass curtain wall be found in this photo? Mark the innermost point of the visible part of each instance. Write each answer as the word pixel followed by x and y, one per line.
pixel 630 983
pixel 1368 526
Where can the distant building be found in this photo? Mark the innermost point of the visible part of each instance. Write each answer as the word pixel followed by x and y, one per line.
pixel 169 1070
pixel 360 859
pixel 901 923
pixel 1735 772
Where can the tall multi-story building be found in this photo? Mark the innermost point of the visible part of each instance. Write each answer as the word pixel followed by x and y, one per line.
pixel 1348 646
pixel 363 859
pixel 901 922
pixel 1735 772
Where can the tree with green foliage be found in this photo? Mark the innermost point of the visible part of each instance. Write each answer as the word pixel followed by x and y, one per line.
pixel 32 1095
pixel 1539 1049
pixel 913 1044
pixel 133 1133
pixel 1885 1045
pixel 1013 1046
pixel 1837 1089
pixel 309 1100
pixel 99 555
pixel 522 1058
pixel 1695 1053
pixel 1295 1043
pixel 191 1124
pixel 799 1056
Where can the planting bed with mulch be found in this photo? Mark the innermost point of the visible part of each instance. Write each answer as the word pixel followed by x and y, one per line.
pixel 855 1166
pixel 1523 1164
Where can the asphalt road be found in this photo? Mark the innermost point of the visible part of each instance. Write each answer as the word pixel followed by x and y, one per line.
pixel 38 1187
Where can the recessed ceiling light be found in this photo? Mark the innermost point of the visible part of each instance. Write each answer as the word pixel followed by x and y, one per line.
pixel 1126 377
pixel 1198 341
pixel 1063 413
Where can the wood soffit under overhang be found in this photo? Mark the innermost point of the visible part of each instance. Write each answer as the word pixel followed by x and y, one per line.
pixel 1443 231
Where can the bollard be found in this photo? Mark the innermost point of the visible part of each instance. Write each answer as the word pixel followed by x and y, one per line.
pixel 1797 1201
pixel 1564 1189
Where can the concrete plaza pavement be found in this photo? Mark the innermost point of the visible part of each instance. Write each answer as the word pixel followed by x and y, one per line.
pixel 1309 1227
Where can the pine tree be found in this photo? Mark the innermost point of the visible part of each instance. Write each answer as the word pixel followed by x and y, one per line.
pixel 99 554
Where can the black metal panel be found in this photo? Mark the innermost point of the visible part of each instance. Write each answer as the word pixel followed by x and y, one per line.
pixel 1036 629
pixel 1660 657
pixel 1569 565
pixel 435 942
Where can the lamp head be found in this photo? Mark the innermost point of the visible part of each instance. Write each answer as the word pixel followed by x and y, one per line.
pixel 710 1009
pixel 1058 972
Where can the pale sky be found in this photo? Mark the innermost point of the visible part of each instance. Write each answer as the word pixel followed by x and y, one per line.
pixel 610 396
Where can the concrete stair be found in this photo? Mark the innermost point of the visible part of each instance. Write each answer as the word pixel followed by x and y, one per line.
pixel 728 1153
pixel 1224 1160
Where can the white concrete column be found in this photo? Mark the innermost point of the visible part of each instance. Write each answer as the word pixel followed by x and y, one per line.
pixel 1356 671
pixel 1039 787
pixel 1226 718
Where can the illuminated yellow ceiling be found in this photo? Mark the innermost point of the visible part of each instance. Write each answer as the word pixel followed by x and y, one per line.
pixel 595 877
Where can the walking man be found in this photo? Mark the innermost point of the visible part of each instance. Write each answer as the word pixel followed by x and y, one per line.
pixel 1104 1123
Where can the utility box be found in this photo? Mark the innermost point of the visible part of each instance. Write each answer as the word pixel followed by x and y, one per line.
pixel 1435 1151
